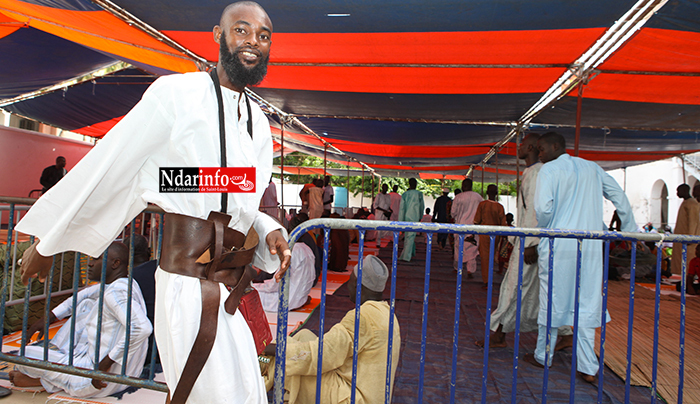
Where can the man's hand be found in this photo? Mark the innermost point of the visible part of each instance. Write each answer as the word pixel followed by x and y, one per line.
pixel 530 255
pixel 35 265
pixel 278 245
pixel 270 350
pixel 105 365
pixel 39 326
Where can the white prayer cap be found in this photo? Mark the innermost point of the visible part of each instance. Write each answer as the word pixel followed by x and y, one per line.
pixel 446 190
pixel 374 273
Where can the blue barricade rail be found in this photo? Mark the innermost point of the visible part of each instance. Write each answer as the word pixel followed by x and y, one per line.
pixel 12 205
pixel 546 235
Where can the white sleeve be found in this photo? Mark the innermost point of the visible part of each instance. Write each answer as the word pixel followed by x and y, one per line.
pixel 615 194
pixel 86 210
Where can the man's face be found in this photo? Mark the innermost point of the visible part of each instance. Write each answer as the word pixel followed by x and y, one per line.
pixel 525 145
pixel 385 188
pixel 548 152
pixel 95 269
pixel 244 45
pixel 60 163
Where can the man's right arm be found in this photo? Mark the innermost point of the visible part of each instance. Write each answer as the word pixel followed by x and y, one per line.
pixel 103 189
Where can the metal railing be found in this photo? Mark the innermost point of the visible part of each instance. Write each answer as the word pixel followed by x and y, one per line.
pixel 546 235
pixel 10 271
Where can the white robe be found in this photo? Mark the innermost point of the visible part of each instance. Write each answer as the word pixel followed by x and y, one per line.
pixel 111 343
pixel 395 206
pixel 463 210
pixel 570 195
pixel 302 274
pixel 174 125
pixel 506 311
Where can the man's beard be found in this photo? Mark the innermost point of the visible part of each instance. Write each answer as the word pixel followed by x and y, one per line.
pixel 238 74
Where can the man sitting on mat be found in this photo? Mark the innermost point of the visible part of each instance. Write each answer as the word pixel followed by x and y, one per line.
pixel 112 342
pixel 373 343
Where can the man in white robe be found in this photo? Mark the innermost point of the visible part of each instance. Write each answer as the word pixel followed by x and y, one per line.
pixel 328 194
pixel 395 203
pixel 569 195
pixel 382 211
pixel 176 124
pixel 504 317
pixel 269 202
pixel 112 342
pixel 463 210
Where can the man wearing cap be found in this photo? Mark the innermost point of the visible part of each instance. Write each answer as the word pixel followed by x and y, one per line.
pixel 336 380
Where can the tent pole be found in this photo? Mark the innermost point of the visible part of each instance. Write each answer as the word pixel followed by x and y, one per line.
pixel 482 178
pixel 362 198
pixel 282 172
pixel 578 118
pixel 518 139
pixel 347 186
pixel 683 167
pixel 325 150
pixel 497 150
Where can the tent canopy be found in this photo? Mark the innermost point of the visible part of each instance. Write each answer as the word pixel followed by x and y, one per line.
pixel 423 88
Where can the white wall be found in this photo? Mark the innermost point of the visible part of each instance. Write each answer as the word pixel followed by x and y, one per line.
pixel 638 182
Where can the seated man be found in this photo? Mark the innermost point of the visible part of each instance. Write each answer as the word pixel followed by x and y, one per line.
pixel 113 333
pixel 338 348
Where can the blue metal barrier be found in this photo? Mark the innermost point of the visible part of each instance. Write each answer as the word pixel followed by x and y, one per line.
pixel 69 368
pixel 326 225
pixel 547 235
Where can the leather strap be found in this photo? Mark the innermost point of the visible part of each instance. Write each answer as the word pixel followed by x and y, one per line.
pixel 222 127
pixel 203 343
pixel 186 240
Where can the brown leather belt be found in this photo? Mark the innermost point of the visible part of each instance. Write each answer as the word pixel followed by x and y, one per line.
pixel 214 253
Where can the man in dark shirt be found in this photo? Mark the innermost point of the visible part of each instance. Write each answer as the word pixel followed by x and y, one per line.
pixel 441 214
pixel 52 174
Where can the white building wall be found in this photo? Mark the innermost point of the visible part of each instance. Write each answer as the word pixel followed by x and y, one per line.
pixel 639 185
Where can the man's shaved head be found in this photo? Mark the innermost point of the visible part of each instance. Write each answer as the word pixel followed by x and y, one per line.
pixel 234 6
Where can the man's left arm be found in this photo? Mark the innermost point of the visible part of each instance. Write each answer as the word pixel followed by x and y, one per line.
pixel 615 194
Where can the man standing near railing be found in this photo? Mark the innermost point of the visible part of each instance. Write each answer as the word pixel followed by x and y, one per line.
pixel 382 211
pixel 412 206
pixel 52 174
pixel 687 222
pixel 463 211
pixel 504 317
pixel 185 121
pixel 569 195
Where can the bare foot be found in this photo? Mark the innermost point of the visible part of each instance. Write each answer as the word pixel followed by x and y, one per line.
pixel 19 379
pixel 564 342
pixel 587 378
pixel 493 343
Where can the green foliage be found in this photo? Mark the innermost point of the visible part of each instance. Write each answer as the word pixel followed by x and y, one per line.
pixel 428 187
